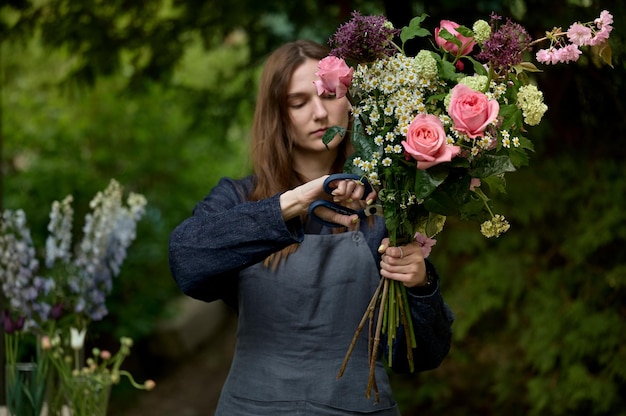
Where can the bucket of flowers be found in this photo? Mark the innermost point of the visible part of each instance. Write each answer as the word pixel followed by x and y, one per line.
pixel 49 306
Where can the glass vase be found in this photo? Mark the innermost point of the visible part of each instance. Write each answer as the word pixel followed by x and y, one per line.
pixel 55 395
pixel 25 389
pixel 88 396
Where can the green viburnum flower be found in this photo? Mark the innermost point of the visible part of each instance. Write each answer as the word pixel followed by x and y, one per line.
pixel 482 31
pixel 476 82
pixel 530 101
pixel 495 226
pixel 426 65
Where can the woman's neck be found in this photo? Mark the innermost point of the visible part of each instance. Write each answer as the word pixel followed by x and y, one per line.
pixel 313 165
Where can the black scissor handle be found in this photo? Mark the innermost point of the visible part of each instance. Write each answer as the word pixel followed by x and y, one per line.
pixel 342 176
pixel 335 207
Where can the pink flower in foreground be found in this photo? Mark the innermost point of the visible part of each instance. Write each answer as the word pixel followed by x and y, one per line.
pixel 601 37
pixel 467 43
pixel 579 34
pixel 335 76
pixel 426 142
pixel 569 53
pixel 474 183
pixel 605 19
pixel 425 243
pixel 471 110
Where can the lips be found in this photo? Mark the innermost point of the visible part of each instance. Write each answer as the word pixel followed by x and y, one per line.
pixel 319 132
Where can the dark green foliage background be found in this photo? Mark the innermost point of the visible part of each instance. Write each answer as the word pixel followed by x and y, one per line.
pixel 160 95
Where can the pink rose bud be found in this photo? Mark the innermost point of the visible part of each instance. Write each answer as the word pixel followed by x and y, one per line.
pixel 46 344
pixel 105 355
pixel 335 76
pixel 467 43
pixel 471 110
pixel 425 243
pixel 426 142
pixel 474 183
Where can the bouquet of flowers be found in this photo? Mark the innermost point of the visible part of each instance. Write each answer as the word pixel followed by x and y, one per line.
pixel 437 133
pixel 70 291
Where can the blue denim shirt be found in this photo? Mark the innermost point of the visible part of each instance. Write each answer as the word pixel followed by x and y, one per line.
pixel 227 233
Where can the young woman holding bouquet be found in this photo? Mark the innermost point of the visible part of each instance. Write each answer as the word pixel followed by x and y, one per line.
pixel 301 288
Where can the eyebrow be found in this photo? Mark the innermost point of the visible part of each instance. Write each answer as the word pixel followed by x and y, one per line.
pixel 297 95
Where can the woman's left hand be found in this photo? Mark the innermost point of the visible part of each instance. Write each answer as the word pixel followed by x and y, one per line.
pixel 403 263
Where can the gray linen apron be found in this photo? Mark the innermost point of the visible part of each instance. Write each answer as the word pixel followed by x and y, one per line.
pixel 295 325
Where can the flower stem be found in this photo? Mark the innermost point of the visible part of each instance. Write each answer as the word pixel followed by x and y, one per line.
pixel 484 198
pixel 383 301
pixel 367 314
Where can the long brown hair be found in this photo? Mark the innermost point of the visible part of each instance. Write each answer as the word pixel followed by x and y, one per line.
pixel 272 141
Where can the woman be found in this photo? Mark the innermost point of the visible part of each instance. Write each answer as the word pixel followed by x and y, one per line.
pixel 300 289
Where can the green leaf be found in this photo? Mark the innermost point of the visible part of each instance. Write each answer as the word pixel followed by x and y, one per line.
pixel 511 119
pixel 448 197
pixel 441 203
pixel 479 68
pixel 489 165
pixel 526 66
pixel 603 51
pixel 496 184
pixel 444 33
pixel 331 133
pixel 473 209
pixel 363 145
pixel 518 157
pixel 414 29
pixel 427 181
pixel 465 31
pixel 447 70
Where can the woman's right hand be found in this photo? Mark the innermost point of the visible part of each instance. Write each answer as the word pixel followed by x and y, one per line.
pixel 346 192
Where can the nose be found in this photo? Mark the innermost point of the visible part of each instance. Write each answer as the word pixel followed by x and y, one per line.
pixel 319 109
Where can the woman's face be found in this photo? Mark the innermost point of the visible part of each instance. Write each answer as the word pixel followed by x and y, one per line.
pixel 311 115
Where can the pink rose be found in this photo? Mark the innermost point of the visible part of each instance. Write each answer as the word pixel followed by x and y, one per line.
pixel 426 142
pixel 335 76
pixel 467 43
pixel 471 110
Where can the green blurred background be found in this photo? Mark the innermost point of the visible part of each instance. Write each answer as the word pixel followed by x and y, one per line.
pixel 159 95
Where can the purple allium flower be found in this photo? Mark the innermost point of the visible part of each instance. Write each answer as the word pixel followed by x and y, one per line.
pixel 505 46
pixel 364 38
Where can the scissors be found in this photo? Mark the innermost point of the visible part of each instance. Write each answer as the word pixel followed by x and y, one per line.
pixel 374 209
